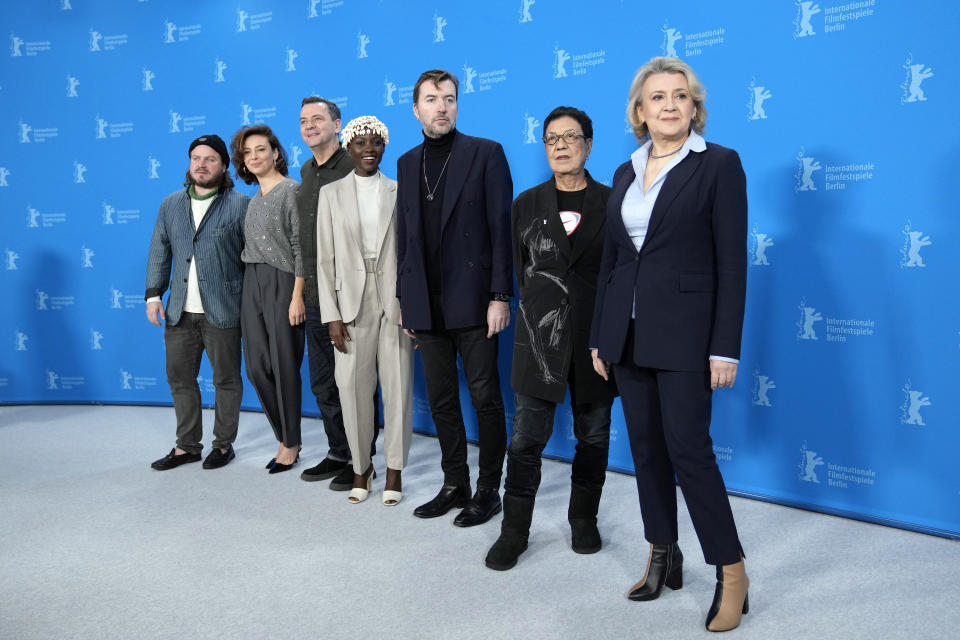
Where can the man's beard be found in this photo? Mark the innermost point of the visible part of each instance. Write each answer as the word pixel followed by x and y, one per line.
pixel 209 183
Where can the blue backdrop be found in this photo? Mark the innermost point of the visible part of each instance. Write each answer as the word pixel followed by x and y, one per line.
pixel 840 111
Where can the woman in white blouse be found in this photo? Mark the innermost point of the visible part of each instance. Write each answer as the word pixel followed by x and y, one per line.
pixel 356 276
pixel 272 312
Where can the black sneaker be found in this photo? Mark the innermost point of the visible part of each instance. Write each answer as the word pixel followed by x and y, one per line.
pixel 344 479
pixel 171 461
pixel 218 459
pixel 326 469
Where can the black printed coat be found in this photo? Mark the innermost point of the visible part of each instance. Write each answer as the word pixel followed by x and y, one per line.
pixel 557 280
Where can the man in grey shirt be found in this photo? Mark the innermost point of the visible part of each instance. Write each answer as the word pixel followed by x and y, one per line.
pixel 195 252
pixel 319 126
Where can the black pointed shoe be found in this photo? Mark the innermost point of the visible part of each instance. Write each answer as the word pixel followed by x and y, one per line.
pixel 450 497
pixel 279 467
pixel 218 458
pixel 484 505
pixel 664 567
pixel 171 461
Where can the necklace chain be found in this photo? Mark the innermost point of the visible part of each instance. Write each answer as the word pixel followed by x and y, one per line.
pixel 431 192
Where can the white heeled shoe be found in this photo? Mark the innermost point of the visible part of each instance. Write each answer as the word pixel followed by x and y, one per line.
pixel 392 498
pixel 358 495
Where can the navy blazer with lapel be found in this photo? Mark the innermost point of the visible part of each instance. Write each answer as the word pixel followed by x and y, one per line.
pixel 474 234
pixel 557 282
pixel 215 247
pixel 689 277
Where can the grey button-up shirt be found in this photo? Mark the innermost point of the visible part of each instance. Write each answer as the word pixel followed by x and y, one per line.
pixel 270 229
pixel 312 177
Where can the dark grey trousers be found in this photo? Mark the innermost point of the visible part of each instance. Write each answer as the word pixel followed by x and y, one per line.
pixel 185 343
pixel 273 350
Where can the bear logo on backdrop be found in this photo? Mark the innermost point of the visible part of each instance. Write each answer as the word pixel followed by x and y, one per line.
pixel 53 379
pixel 16 46
pixel 758 95
pixel 86 257
pixel 761 385
pixel 25 130
pixel 33 217
pixel 79 169
pixel 291 56
pixel 439 22
pixel 108 212
pixel 41 300
pixel 221 66
pixel 530 125
pixel 152 165
pixel 242 17
pixel 808 317
pixel 805 11
pixel 4 174
pixel 175 119
pixel 469 75
pixel 101 128
pixel 913 242
pixel 245 111
pixel 95 340
pixel 668 47
pixel 389 89
pixel 148 77
pixel 560 58
pixel 12 257
pixel 312 13
pixel 116 296
pixel 809 461
pixel 807 166
pixel 914 400
pixel 525 10
pixel 362 42
pixel 21 340
pixel 761 242
pixel 169 31
pixel 95 39
pixel 126 378
pixel 916 74
pixel 293 161
pixel 72 84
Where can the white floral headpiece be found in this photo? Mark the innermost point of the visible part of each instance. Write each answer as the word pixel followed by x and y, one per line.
pixel 362 126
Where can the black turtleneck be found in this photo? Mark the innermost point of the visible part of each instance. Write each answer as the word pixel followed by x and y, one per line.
pixel 436 152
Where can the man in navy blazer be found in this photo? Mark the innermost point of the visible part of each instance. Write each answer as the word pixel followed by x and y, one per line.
pixel 195 252
pixel 454 282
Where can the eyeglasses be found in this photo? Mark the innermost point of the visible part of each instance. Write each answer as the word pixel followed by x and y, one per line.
pixel 569 137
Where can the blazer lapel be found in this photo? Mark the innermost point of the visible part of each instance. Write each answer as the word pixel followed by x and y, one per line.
pixel 461 161
pixel 350 211
pixel 387 202
pixel 616 200
pixel 676 179
pixel 590 225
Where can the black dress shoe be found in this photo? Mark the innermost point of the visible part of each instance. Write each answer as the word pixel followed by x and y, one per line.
pixel 484 505
pixel 450 497
pixel 270 464
pixel 171 461
pixel 218 459
pixel 279 467
pixel 664 567
pixel 326 469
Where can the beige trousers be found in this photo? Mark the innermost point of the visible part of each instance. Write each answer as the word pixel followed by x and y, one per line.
pixel 376 346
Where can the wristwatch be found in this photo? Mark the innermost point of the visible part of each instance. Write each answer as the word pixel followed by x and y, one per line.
pixel 499 297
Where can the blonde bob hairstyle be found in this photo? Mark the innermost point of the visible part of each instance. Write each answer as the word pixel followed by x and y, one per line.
pixel 665 65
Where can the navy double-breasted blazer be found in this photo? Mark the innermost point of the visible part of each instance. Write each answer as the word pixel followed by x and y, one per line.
pixel 688 280
pixel 474 233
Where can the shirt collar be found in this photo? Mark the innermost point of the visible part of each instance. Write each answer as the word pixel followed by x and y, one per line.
pixel 638 158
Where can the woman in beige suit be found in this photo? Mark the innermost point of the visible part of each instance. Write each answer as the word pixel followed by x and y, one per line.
pixel 357 275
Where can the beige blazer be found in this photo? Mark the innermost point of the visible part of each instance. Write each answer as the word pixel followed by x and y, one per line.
pixel 341 275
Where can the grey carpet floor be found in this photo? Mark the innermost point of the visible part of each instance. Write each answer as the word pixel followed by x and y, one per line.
pixel 94 544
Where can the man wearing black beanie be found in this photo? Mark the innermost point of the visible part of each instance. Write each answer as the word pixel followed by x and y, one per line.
pixel 195 253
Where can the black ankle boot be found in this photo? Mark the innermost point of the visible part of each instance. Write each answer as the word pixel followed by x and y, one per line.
pixel 514 532
pixel 664 567
pixel 582 516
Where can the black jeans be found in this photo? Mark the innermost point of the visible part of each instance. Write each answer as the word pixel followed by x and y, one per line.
pixel 532 428
pixel 324 387
pixel 185 343
pixel 438 352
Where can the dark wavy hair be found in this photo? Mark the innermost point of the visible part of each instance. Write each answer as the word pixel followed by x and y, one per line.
pixel 236 151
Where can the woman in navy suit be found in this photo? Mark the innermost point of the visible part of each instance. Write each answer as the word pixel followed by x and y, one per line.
pixel 668 317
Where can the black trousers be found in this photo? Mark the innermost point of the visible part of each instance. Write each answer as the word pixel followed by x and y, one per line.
pixel 668 422
pixel 273 350
pixel 438 352
pixel 185 343
pixel 532 428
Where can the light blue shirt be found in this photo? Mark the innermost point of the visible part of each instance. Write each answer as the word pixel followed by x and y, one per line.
pixel 638 205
